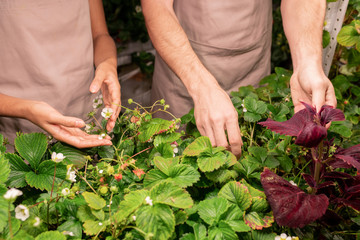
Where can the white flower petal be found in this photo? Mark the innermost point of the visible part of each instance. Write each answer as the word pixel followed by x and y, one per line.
pixel 22 212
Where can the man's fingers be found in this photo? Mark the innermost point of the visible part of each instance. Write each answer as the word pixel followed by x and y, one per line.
pixel 330 98
pixel 318 98
pixel 234 136
pixel 219 133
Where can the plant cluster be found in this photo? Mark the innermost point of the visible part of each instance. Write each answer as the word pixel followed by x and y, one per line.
pixel 156 182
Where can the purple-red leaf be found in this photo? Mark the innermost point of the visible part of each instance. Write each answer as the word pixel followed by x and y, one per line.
pixel 307 125
pixel 354 190
pixel 355 204
pixel 329 114
pixel 311 135
pixel 291 206
pixel 310 180
pixel 350 155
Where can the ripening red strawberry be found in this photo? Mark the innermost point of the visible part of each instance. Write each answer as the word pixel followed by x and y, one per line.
pixel 118 177
pixel 138 172
pixel 102 179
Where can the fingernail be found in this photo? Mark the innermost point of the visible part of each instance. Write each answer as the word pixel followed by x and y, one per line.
pixel 79 123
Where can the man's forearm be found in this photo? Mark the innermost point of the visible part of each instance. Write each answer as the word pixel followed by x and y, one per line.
pixel 303 24
pixel 173 45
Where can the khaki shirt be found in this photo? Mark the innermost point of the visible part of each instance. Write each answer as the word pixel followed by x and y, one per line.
pixel 46 54
pixel 232 38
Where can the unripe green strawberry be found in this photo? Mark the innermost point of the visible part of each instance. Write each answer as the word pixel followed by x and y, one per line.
pixel 103 190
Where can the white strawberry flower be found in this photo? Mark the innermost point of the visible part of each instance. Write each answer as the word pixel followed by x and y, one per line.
pixel 65 191
pixel 148 201
pixel 102 136
pixel 138 8
pixel 12 194
pixel 36 222
pixel 22 212
pixel 107 112
pixel 57 157
pixel 70 175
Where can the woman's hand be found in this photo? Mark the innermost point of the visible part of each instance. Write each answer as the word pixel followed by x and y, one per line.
pixel 63 128
pixel 106 79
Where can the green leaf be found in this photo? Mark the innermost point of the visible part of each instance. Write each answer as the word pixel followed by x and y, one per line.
pixel 222 232
pixel 253 191
pixel 126 147
pixel 341 83
pixel 84 213
pixel 211 163
pixel 22 235
pixel 164 164
pixel 200 145
pixel 4 169
pixel 44 177
pixel 348 35
pixel 199 231
pixel 154 177
pixel 188 236
pixel 272 162
pixel 259 204
pixel 234 217
pixel 153 127
pixel 157 219
pixel 132 201
pixel 53 235
pixel 18 171
pixel 182 175
pixel 325 38
pixel 210 210
pixel 260 153
pixel 180 217
pixel 99 214
pixel 72 155
pixel 251 117
pixel 236 193
pixel 3 211
pixel 168 138
pixel 286 163
pixel 221 175
pixel 254 221
pixel 94 201
pixel 164 149
pixel 32 147
pixel 71 226
pixel 171 194
pixel 92 227
pixel 343 128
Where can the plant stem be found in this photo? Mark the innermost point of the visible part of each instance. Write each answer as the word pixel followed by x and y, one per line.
pixel 318 163
pixel 86 182
pixel 52 189
pixel 10 226
pixel 252 129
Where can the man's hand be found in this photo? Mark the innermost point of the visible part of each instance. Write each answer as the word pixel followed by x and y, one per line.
pixel 106 79
pixel 215 114
pixel 63 128
pixel 310 85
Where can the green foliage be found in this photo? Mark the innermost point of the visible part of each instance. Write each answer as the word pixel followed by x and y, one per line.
pixel 156 182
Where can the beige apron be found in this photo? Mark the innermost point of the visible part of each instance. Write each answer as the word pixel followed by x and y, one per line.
pixel 46 54
pixel 232 38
